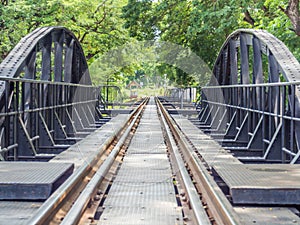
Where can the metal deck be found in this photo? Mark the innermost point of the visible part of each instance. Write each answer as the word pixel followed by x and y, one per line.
pixel 267 216
pixel 17 213
pixel 81 152
pixel 211 151
pixel 31 181
pixel 77 154
pixel 262 183
pixel 249 183
pixel 143 191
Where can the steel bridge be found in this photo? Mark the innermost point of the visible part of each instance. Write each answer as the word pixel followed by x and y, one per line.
pixel 230 158
pixel 252 104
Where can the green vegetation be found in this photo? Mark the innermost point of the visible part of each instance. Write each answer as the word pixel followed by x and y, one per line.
pixel 112 33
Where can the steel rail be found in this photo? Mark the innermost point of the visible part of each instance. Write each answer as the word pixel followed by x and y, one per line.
pixel 75 213
pixel 56 200
pixel 274 84
pixel 53 83
pixel 194 199
pixel 18 112
pixel 266 113
pixel 218 204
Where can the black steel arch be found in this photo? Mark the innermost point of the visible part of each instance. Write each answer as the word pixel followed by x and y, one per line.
pixel 230 60
pixel 46 95
pixel 252 103
pixel 62 58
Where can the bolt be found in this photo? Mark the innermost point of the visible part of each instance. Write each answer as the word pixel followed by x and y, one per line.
pixel 97 198
pixel 185 218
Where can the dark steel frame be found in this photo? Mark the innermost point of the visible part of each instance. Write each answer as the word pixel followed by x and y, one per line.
pixel 252 103
pixel 47 100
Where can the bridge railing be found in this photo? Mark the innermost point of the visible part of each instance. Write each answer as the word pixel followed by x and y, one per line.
pixel 38 118
pixel 111 95
pixel 255 121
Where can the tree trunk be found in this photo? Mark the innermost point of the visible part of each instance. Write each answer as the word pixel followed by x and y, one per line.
pixel 292 11
pixel 248 18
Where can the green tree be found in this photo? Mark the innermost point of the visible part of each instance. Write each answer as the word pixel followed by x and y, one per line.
pixel 98 26
pixel 204 25
pixel 280 18
pixel 18 18
pixel 200 25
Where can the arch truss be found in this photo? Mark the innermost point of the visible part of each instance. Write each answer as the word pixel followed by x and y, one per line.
pixel 47 101
pixel 252 102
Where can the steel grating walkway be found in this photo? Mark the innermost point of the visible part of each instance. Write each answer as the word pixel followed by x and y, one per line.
pixel 250 184
pixel 143 191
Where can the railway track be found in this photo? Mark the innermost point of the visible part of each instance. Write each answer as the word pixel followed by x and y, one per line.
pixel 68 203
pixel 150 168
pixel 208 203
pixel 149 174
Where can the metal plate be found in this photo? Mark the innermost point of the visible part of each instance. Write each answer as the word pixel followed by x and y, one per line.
pixel 128 194
pixel 145 168
pixel 142 216
pixel 143 191
pixel 267 215
pixel 17 213
pixel 209 149
pixel 261 183
pixel 248 183
pixel 185 112
pixel 34 180
pixel 80 152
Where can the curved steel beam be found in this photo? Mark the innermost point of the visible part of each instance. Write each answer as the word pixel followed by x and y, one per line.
pixel 280 58
pixel 46 94
pixel 58 41
pixel 249 103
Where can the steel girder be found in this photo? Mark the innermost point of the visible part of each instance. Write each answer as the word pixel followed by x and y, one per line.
pixel 252 104
pixel 47 101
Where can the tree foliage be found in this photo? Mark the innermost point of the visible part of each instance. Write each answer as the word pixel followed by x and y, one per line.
pixel 97 24
pixel 200 25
